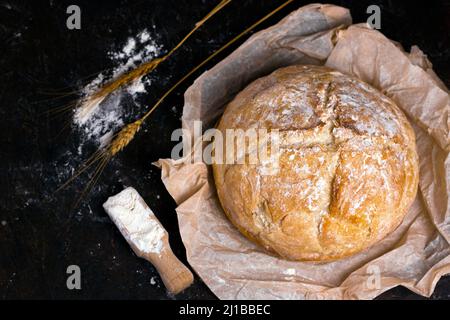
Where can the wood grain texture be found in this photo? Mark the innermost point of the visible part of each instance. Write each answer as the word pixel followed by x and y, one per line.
pixel 175 275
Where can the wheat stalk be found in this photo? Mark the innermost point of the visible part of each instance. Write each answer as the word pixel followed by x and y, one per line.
pixel 93 100
pixel 128 132
pixel 124 137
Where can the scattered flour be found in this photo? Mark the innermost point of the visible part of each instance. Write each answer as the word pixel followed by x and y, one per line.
pixel 129 47
pixel 152 281
pixel 289 272
pixel 135 220
pixel 104 117
pixel 137 86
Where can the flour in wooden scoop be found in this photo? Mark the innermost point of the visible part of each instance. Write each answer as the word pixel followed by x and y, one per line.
pixel 136 221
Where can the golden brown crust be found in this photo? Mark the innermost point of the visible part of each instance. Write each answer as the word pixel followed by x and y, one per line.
pixel 348 165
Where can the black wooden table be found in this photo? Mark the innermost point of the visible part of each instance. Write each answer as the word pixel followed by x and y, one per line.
pixel 41 234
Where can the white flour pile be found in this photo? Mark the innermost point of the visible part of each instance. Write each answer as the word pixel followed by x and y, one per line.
pixel 104 118
pixel 135 220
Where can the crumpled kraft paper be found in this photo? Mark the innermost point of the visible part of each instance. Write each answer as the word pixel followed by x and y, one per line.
pixel 415 255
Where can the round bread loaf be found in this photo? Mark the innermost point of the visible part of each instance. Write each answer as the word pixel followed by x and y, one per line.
pixel 347 167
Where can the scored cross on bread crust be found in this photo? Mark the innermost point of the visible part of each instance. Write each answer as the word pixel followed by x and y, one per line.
pixel 348 166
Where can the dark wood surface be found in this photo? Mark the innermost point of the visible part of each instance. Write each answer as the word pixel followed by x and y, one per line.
pixel 40 231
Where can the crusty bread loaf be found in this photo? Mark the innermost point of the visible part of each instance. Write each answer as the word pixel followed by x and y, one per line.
pixel 348 167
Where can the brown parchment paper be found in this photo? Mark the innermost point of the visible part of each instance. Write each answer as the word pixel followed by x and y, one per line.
pixel 415 255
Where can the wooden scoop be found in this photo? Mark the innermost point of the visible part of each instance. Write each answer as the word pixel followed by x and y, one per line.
pixel 148 238
pixel 175 275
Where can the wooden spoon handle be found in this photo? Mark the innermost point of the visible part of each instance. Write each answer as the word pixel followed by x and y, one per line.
pixel 175 275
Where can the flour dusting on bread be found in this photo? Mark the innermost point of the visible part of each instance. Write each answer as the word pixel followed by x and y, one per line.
pixel 348 165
